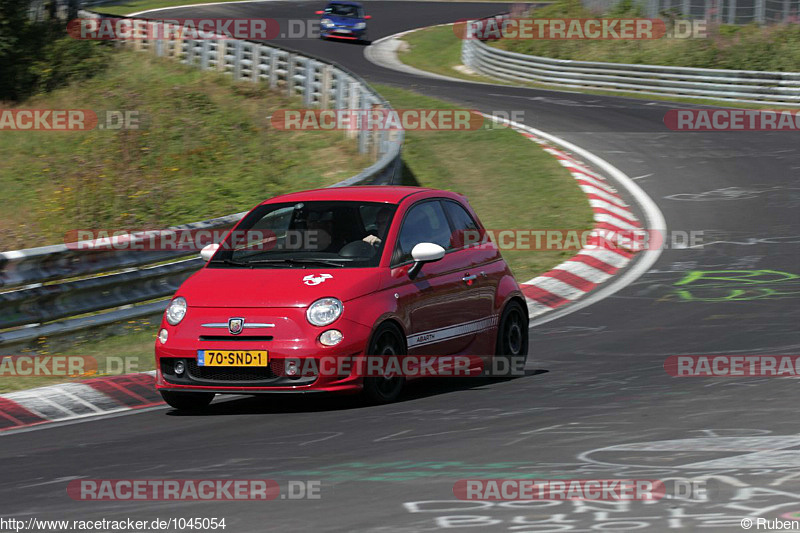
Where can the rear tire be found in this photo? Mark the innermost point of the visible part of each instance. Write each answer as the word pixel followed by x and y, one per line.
pixel 187 401
pixel 387 341
pixel 511 352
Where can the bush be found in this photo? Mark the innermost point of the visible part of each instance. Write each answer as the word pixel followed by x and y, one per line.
pixel 38 56
pixel 66 60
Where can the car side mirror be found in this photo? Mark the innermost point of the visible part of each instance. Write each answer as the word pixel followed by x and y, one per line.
pixel 424 252
pixel 208 251
pixel 368 17
pixel 319 12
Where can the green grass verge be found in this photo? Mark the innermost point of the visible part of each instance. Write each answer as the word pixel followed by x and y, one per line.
pixel 205 149
pixel 438 50
pixel 137 6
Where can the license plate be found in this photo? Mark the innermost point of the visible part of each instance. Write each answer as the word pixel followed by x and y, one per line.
pixel 232 358
pixel 343 31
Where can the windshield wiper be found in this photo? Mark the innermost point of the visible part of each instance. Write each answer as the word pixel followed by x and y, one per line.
pixel 324 262
pixel 264 262
pixel 235 263
pixel 228 262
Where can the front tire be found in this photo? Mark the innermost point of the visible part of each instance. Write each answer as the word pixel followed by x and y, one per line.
pixel 387 342
pixel 511 352
pixel 187 401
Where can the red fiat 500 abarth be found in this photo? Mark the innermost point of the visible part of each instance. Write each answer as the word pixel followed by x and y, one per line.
pixel 338 273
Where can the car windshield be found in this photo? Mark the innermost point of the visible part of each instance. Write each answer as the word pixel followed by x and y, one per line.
pixel 344 10
pixel 308 235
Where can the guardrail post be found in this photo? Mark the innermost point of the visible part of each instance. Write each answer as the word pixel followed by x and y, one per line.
pixel 205 54
pixel 190 51
pixel 221 52
pixel 761 11
pixel 465 50
pixel 237 60
pixel 338 99
pixel 377 109
pixel 354 94
pixel 325 87
pixel 255 63
pixel 273 68
pixel 157 45
pixel 308 83
pixel 290 70
pixel 363 131
pixel 177 49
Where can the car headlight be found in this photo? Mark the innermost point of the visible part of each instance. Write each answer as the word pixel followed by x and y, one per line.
pixel 324 311
pixel 326 22
pixel 176 311
pixel 361 25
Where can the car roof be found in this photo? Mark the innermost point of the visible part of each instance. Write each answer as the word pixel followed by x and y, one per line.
pixel 345 3
pixel 390 194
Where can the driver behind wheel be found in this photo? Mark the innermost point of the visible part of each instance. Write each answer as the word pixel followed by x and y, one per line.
pixel 381 224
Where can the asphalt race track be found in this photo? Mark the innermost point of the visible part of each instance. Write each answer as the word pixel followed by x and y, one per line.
pixel 596 403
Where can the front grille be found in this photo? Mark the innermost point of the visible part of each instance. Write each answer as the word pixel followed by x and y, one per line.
pixel 231 338
pixel 229 373
pixel 269 376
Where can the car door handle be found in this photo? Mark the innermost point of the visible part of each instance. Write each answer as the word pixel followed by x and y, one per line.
pixel 469 278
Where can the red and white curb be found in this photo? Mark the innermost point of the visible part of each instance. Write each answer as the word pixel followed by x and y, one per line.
pixel 591 266
pixel 70 401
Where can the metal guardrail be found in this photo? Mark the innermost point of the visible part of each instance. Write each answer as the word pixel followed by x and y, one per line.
pixel 779 88
pixel 57 282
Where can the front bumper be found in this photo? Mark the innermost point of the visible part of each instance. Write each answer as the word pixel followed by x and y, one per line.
pixel 343 33
pixel 248 380
pixel 289 339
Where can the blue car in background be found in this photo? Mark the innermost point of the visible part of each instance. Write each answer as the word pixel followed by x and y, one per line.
pixel 343 20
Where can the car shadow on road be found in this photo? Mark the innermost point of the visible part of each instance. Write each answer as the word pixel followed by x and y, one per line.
pixel 349 42
pixel 321 402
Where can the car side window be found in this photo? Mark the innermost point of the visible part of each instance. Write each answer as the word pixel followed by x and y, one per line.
pixel 463 225
pixel 425 222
